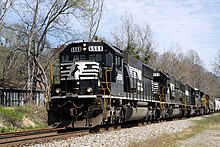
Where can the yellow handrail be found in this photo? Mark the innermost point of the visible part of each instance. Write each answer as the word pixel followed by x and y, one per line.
pixel 106 79
pixel 107 86
pixel 204 101
pixel 104 96
pixel 185 103
pixel 162 99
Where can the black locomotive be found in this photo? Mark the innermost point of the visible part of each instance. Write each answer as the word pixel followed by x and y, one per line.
pixel 101 84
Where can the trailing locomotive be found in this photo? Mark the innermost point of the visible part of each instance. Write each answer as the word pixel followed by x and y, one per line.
pixel 101 84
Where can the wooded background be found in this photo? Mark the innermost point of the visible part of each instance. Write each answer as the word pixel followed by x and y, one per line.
pixel 33 32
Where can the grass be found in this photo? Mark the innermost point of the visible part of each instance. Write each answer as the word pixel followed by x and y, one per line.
pixel 12 118
pixel 171 140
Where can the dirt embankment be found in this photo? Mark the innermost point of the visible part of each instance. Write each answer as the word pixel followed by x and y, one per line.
pixel 20 118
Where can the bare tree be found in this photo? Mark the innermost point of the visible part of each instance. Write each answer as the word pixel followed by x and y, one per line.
pixel 124 36
pixel 216 70
pixel 193 57
pixel 194 70
pixel 43 20
pixel 216 64
pixel 145 42
pixel 188 68
pixel 13 40
pixel 134 39
pixel 210 84
pixel 93 18
pixel 4 7
pixel 170 62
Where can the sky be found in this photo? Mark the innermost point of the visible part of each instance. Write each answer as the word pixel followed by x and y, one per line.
pixel 193 24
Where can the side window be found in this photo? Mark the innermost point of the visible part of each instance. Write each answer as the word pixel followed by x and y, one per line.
pixel 116 60
pixel 109 59
pixel 62 58
pixel 119 63
pixel 65 58
pixel 92 57
pixel 70 58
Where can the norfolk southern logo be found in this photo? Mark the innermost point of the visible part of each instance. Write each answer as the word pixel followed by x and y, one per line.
pixel 74 71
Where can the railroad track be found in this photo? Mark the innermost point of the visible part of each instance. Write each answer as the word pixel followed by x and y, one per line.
pixel 39 136
pixel 46 135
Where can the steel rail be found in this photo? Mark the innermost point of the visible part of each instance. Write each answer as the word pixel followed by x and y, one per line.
pixel 37 136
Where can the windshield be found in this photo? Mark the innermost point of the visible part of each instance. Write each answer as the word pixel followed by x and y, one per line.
pixel 96 57
pixel 90 57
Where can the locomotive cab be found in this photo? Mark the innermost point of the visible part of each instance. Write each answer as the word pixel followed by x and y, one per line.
pixel 83 68
pixel 160 85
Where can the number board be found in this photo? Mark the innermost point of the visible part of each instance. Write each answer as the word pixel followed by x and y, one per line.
pixel 76 49
pixel 156 74
pixel 95 48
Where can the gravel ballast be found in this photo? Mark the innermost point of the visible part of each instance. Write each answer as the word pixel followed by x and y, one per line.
pixel 207 138
pixel 122 137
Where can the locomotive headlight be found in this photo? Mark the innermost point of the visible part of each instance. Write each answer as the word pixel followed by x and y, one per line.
pixel 89 90
pixel 84 49
pixel 58 90
pixel 84 45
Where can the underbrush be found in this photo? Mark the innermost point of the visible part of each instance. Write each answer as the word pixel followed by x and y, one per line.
pixel 21 118
pixel 171 140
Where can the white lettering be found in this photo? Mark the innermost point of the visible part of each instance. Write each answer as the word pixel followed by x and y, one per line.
pixel 95 48
pixel 76 49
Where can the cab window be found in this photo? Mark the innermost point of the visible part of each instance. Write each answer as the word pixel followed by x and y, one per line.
pixel 82 57
pixel 118 62
pixel 76 57
pixel 95 57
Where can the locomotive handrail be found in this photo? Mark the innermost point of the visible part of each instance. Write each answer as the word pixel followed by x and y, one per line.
pixel 107 87
pixel 162 99
pixel 104 96
pixel 185 103
pixel 204 101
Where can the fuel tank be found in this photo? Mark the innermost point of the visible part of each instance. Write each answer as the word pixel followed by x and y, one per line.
pixel 173 112
pixel 137 113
